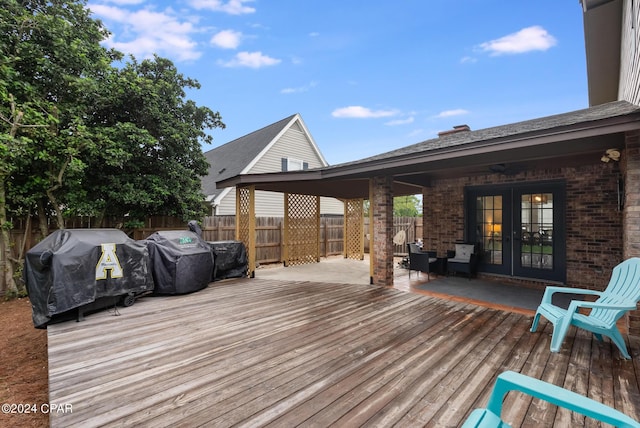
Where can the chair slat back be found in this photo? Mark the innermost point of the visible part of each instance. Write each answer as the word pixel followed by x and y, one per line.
pixel 624 286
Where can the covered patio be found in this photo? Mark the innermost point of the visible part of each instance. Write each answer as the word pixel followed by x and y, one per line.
pixel 267 352
pixel 492 188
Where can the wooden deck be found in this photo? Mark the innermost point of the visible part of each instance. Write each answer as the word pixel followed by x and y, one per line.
pixel 257 352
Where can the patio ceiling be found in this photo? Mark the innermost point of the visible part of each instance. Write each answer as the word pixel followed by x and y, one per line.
pixel 566 140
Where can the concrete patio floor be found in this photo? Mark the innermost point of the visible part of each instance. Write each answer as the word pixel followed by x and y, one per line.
pixel 484 292
pixel 334 269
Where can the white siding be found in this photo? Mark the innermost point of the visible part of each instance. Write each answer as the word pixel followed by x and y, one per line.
pixel 629 89
pixel 292 144
pixel 331 206
pixel 271 204
pixel 227 205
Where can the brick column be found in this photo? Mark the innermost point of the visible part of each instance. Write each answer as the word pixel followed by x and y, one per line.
pixel 381 198
pixel 631 213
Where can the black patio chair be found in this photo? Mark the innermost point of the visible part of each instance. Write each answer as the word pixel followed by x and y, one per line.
pixel 463 259
pixel 421 261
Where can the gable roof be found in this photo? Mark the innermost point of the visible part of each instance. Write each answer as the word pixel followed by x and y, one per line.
pixel 240 155
pixel 565 139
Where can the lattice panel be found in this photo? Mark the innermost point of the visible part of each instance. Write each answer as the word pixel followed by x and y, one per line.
pixel 245 223
pixel 302 224
pixel 243 196
pixel 353 229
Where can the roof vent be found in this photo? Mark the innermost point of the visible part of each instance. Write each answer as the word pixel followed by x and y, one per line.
pixel 455 130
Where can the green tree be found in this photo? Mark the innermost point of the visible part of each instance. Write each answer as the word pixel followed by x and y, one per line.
pixel 150 161
pixel 407 206
pixel 48 50
pixel 55 55
pixel 80 136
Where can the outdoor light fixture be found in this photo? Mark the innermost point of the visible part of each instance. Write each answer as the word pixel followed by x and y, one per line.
pixel 498 168
pixel 610 155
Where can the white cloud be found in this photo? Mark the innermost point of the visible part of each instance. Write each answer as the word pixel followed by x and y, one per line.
pixel 450 113
pixel 227 39
pixel 232 7
pixel 528 39
pixel 108 12
pixel 251 60
pixel 145 32
pixel 299 89
pixel 400 121
pixel 361 112
pixel 468 60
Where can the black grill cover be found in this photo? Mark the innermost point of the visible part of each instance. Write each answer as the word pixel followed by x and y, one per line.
pixel 74 267
pixel 231 259
pixel 181 261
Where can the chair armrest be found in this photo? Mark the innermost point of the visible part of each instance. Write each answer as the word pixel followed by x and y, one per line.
pixel 512 381
pixel 626 306
pixel 551 290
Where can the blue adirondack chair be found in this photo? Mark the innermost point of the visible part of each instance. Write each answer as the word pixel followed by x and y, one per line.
pixel 621 295
pixel 512 381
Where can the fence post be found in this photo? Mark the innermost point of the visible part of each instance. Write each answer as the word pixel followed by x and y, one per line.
pixel 326 236
pixel 281 225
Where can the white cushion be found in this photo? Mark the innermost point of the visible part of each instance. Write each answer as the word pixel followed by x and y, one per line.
pixel 463 253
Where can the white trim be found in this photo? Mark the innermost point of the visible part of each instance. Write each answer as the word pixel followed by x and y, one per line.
pixel 218 199
pixel 284 129
pixel 312 141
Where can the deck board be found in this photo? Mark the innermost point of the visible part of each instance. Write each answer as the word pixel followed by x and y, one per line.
pixel 262 352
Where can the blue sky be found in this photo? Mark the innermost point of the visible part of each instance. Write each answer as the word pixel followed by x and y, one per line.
pixel 366 76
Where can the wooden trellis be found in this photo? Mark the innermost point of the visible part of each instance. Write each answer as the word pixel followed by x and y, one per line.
pixel 353 229
pixel 246 223
pixel 301 229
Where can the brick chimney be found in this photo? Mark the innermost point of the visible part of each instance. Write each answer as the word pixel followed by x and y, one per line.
pixel 455 130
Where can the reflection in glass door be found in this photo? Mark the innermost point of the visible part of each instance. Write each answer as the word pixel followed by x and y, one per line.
pixel 536 243
pixel 489 222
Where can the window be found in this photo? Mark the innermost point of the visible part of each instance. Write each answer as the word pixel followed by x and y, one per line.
pixel 537 230
pixel 292 164
pixel 489 222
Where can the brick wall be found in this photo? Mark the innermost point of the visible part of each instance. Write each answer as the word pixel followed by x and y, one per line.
pixel 594 225
pixel 382 208
pixel 631 220
pixel 593 222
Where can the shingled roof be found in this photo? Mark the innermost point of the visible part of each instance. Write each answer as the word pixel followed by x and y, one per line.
pixel 530 128
pixel 236 157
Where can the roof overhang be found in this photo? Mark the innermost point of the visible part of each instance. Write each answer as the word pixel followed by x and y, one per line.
pixel 602 21
pixel 564 146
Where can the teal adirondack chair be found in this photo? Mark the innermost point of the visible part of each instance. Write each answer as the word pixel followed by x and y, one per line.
pixel 621 295
pixel 512 381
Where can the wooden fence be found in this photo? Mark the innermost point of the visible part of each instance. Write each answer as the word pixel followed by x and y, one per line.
pixel 269 234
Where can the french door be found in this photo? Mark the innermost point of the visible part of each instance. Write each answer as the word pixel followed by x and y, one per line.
pixel 519 229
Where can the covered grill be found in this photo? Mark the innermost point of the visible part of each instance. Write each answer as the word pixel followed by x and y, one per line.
pixel 75 268
pixel 181 261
